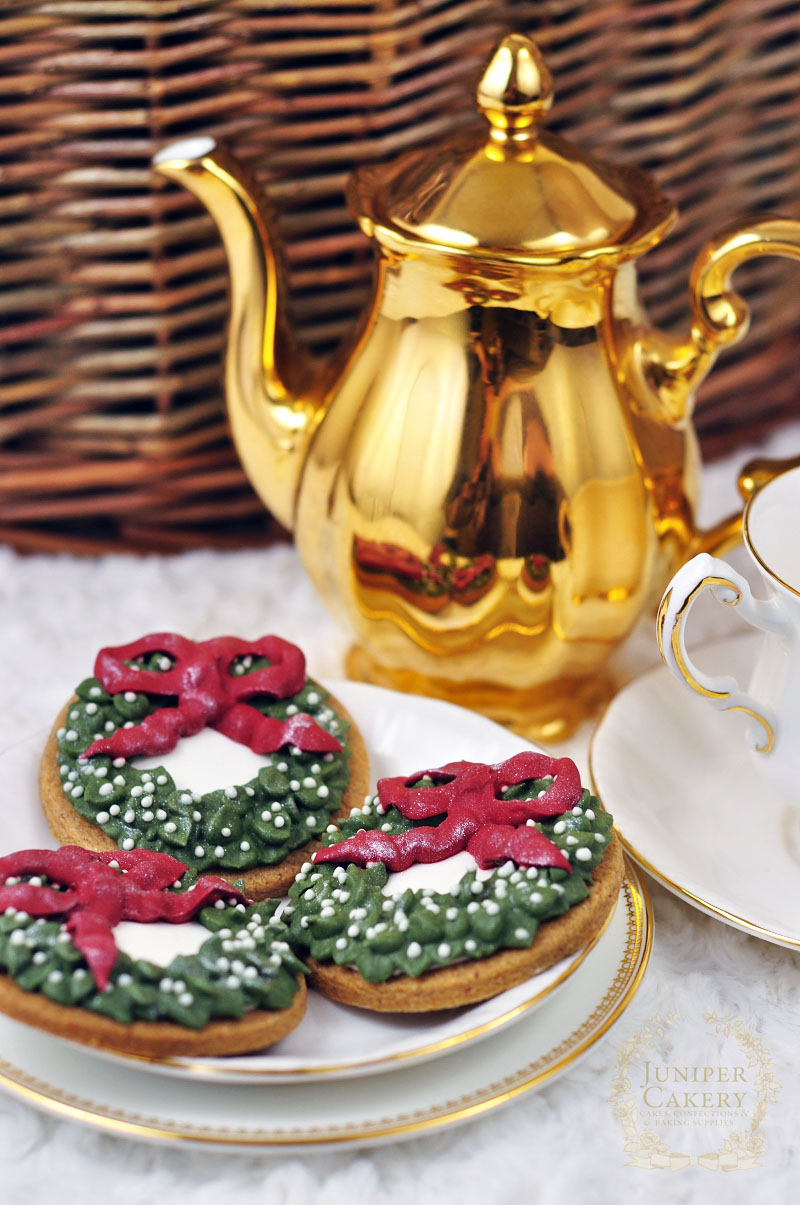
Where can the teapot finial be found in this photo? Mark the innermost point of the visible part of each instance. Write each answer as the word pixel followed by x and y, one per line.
pixel 516 89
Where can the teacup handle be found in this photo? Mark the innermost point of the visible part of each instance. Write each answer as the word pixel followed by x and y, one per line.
pixel 728 587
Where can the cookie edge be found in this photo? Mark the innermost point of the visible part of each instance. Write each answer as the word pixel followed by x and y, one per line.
pixel 152 1039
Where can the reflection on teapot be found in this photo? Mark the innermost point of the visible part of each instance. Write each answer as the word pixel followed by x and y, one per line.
pixel 498 473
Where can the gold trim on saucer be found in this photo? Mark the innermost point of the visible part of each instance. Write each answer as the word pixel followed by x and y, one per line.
pixel 697 901
pixel 624 986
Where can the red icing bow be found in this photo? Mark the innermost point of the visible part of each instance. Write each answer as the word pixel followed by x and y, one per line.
pixel 209 695
pixel 98 897
pixel 492 829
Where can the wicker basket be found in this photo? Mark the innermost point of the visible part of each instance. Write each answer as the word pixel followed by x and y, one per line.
pixel 113 283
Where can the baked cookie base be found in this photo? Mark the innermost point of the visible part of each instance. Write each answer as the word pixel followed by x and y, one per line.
pixel 261 882
pixel 479 979
pixel 152 1039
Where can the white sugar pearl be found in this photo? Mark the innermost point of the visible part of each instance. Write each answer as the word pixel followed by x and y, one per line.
pixel 583 854
pixel 128 843
pixel 103 817
pixel 414 949
pixel 129 696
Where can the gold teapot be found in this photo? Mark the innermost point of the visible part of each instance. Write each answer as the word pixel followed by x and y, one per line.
pixel 496 475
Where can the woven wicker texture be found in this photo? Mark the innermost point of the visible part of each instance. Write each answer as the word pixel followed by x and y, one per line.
pixel 113 283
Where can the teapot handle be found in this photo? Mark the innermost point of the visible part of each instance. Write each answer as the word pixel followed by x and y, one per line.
pixel 721 315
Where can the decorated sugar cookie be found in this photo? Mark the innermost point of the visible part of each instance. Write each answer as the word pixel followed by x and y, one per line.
pixel 456 883
pixel 116 949
pixel 220 752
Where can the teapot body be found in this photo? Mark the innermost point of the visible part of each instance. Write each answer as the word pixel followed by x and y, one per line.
pixel 481 502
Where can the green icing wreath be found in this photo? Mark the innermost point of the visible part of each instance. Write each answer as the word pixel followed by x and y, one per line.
pixel 239 827
pixel 245 963
pixel 339 913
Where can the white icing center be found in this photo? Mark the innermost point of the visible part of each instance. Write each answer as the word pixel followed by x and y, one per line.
pixel 159 942
pixel 206 762
pixel 438 876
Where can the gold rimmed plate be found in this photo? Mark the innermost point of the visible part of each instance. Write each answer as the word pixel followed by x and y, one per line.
pixel 688 802
pixel 402 732
pixel 59 1077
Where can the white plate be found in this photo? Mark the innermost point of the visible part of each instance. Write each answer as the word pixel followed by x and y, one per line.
pixel 689 805
pixel 59 1077
pixel 403 733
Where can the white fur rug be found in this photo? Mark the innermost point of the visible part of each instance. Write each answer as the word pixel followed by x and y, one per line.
pixel 563 1143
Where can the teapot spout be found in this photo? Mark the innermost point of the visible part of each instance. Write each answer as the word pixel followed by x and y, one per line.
pixel 272 391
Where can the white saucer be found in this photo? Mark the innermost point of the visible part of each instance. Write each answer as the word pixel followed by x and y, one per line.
pixel 403 733
pixel 63 1079
pixel 689 805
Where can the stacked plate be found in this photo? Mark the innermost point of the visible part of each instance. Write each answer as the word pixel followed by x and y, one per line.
pixel 344 1076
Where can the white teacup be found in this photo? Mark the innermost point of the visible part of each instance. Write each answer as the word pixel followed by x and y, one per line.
pixel 771 524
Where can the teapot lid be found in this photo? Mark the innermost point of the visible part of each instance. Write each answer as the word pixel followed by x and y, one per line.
pixel 520 195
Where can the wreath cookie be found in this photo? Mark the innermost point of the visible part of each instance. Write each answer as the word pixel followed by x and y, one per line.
pixel 85 954
pixel 454 884
pixel 306 761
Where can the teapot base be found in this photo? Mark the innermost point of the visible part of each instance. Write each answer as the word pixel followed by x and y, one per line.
pixel 545 714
